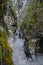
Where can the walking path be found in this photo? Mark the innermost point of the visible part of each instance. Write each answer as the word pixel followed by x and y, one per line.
pixel 19 57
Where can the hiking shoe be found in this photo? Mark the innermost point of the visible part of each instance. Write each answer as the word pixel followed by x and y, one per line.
pixel 30 59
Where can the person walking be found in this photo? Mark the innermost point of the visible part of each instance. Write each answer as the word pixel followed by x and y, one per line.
pixel 27 50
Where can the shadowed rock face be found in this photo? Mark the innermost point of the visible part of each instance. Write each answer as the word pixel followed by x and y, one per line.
pixel 41 0
pixel 41 45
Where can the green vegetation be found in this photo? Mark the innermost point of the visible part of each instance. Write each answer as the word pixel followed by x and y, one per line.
pixel 3 8
pixel 12 9
pixel 33 21
pixel 33 18
pixel 5 49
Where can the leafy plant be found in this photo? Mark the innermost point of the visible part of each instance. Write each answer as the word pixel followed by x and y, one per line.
pixel 5 49
pixel 33 18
